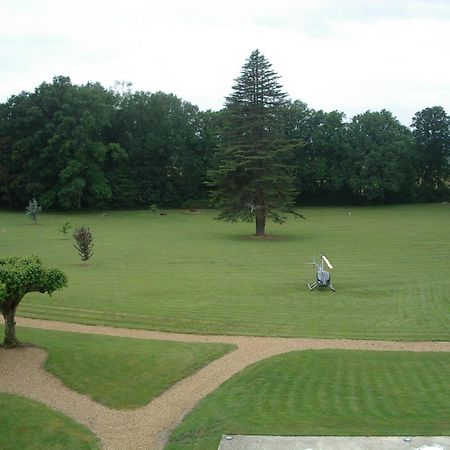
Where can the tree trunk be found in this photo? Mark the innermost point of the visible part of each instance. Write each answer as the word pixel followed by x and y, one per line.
pixel 260 222
pixel 10 340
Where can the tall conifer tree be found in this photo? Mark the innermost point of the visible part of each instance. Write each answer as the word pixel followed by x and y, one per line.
pixel 253 180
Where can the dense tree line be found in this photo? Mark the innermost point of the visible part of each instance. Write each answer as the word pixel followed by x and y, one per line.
pixel 83 146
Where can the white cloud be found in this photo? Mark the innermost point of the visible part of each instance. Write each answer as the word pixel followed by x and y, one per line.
pixel 347 55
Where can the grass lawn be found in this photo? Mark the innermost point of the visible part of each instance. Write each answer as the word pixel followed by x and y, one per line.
pixel 119 372
pixel 186 272
pixel 29 425
pixel 325 393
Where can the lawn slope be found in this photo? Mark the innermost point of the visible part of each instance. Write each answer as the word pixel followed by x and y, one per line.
pixel 186 272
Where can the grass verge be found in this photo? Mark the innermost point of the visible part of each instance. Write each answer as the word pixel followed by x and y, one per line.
pixel 29 425
pixel 121 373
pixel 325 392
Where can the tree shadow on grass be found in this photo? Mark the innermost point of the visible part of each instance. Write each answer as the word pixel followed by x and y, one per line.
pixel 87 266
pixel 266 238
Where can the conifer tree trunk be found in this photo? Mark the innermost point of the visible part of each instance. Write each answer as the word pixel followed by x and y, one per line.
pixel 260 222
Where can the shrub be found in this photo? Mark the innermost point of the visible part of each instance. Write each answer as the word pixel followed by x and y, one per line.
pixel 83 242
pixel 65 228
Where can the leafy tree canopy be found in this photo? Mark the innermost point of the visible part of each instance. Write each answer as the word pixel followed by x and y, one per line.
pixel 381 148
pixel 83 146
pixel 431 130
pixel 18 276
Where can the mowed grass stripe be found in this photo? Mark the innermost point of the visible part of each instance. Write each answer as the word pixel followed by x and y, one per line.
pixel 326 393
pixel 167 322
pixel 27 424
pixel 188 273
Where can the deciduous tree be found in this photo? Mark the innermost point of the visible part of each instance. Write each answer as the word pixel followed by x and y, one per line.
pixel 18 276
pixel 321 173
pixel 431 131
pixel 54 145
pixel 381 157
pixel 166 161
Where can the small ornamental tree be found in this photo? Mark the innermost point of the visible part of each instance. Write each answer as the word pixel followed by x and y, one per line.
pixel 18 276
pixel 65 228
pixel 33 209
pixel 83 242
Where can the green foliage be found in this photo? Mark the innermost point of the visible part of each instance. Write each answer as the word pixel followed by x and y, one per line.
pixel 83 242
pixel 65 227
pixel 33 209
pixel 29 425
pixel 381 157
pixel 167 151
pixel 431 130
pixel 83 146
pixel 56 144
pixel 325 393
pixel 253 180
pixel 19 276
pixel 322 163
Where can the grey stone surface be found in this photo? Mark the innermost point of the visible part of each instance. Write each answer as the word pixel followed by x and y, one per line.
pixel 334 443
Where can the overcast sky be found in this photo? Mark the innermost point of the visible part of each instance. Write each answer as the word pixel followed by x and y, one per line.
pixel 349 55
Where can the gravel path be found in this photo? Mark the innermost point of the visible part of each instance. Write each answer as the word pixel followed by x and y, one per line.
pixel 148 427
